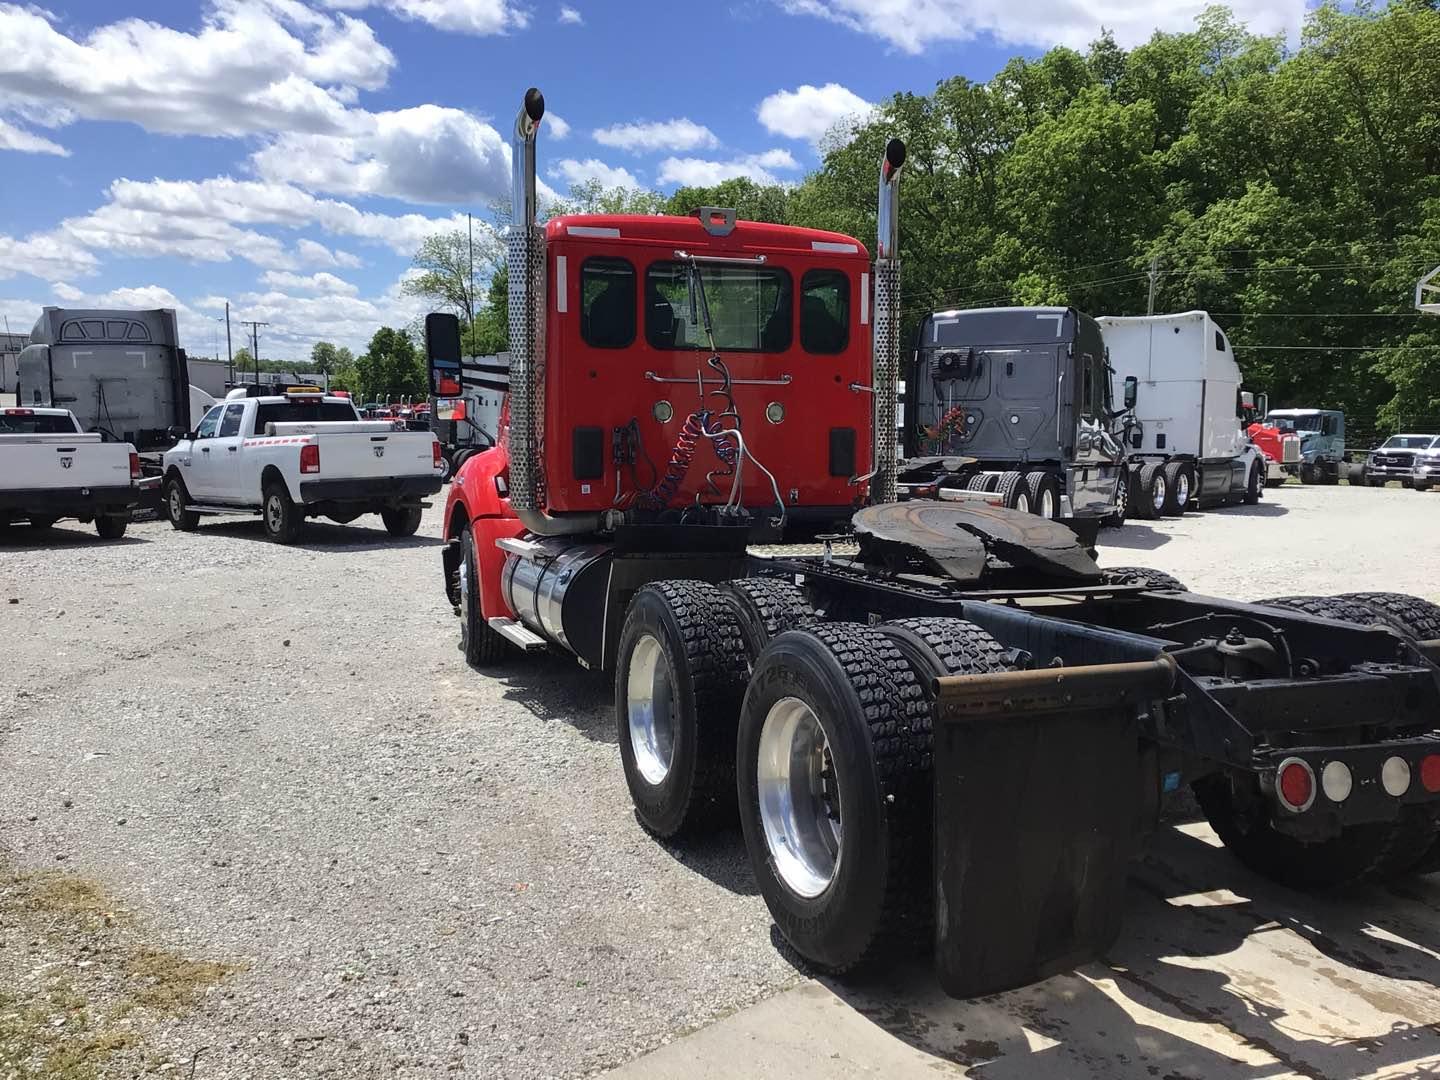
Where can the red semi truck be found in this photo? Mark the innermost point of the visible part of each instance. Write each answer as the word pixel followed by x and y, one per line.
pixel 955 739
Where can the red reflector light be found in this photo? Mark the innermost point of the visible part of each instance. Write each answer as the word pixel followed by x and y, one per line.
pixel 435 453
pixel 19 412
pixel 1430 773
pixel 310 458
pixel 134 466
pixel 1296 785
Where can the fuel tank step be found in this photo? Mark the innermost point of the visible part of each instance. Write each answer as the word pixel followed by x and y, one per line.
pixel 516 634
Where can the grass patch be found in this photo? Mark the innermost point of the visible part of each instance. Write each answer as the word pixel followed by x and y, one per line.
pixel 80 986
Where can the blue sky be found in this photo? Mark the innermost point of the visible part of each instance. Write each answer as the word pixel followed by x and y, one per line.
pixel 288 155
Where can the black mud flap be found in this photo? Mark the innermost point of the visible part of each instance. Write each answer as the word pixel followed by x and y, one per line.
pixel 450 557
pixel 1035 825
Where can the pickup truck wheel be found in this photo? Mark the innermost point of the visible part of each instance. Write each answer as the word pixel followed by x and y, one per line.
pixel 447 468
pixel 1144 576
pixel 1376 481
pixel 765 607
pixel 402 521
pixel 112 526
pixel 1240 814
pixel 482 646
pixel 1179 487
pixel 835 794
pixel 282 519
pixel 679 680
pixel 1152 492
pixel 176 499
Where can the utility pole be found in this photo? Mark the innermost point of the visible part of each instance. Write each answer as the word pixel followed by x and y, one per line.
pixel 255 343
pixel 229 354
pixel 1154 279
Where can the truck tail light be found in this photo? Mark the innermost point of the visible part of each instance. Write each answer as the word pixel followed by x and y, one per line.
pixel 1430 773
pixel 435 453
pixel 134 466
pixel 1295 785
pixel 310 458
pixel 1395 776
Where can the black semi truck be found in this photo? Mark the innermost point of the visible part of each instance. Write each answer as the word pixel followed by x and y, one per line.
pixel 1015 403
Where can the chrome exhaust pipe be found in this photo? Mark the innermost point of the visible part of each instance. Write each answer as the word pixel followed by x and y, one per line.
pixel 525 260
pixel 885 349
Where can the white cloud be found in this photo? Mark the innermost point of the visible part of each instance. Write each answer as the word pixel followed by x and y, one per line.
pixel 696 172
pixel 461 16
pixel 570 17
pixel 50 256
pixel 808 112
pixel 913 25
pixel 311 253
pixel 322 284
pixel 572 172
pixel 555 127
pixel 253 66
pixel 680 134
pixel 66 292
pixel 14 138
pixel 427 154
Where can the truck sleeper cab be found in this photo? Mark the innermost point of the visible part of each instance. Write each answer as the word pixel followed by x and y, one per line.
pixel 1015 401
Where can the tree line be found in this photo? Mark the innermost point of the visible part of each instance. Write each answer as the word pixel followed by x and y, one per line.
pixel 1292 193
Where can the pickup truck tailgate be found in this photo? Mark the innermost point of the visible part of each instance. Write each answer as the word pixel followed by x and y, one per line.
pixel 367 454
pixel 47 462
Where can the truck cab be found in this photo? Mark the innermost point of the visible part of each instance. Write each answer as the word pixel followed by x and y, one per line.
pixel 1322 441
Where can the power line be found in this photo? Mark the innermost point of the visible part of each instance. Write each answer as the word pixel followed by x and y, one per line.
pixel 1339 348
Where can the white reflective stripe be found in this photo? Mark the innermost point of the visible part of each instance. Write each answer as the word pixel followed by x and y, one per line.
pixel 562 290
pixel 592 230
pixel 864 299
pixel 831 245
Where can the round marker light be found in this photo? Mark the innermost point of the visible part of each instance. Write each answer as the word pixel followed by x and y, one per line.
pixel 1295 784
pixel 775 412
pixel 1395 776
pixel 1336 781
pixel 1430 773
pixel 663 411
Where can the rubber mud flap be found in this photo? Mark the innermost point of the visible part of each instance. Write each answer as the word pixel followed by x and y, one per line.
pixel 1036 820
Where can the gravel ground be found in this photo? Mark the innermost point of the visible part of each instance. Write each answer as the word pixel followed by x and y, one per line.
pixel 277 759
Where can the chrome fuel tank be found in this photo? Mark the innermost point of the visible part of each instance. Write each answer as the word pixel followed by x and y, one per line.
pixel 559 592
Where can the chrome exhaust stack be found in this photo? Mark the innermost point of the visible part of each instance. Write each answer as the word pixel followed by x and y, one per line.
pixel 885 351
pixel 525 260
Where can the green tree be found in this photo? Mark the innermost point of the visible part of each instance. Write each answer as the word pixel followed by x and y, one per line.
pixel 447 264
pixel 391 367
pixel 324 358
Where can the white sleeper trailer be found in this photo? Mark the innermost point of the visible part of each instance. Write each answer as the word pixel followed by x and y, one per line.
pixel 1187 447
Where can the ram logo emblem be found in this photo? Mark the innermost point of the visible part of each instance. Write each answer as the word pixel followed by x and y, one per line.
pixel 66 462
pixel 379 451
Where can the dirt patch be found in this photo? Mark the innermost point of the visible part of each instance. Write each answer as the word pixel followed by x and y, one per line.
pixel 80 988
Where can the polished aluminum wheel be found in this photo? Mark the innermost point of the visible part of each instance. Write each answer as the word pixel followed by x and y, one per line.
pixel 799 798
pixel 1158 490
pixel 1182 489
pixel 1022 502
pixel 1047 504
pixel 650 703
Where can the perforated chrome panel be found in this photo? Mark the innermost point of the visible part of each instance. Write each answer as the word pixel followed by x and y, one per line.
pixel 886 364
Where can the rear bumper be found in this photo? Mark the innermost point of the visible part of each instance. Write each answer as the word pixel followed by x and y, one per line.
pixel 380 489
pixel 70 502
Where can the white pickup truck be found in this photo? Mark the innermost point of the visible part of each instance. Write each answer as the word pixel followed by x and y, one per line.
pixel 50 469
pixel 297 455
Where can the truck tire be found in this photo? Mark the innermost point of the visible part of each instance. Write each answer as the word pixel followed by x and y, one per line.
pixel 41 521
pixel 1179 488
pixel 111 526
pixel 1307 472
pixel 282 519
pixel 1124 490
pixel 1329 607
pixel 482 646
pixel 447 467
pixel 1255 484
pixel 402 520
pixel 1151 493
pixel 176 499
pixel 1329 473
pixel 982 482
pixel 1044 495
pixel 1013 492
pixel 937 647
pixel 765 607
pixel 1144 576
pixel 679 681
pixel 1416 618
pixel 1240 814
pixel 1376 481
pixel 833 750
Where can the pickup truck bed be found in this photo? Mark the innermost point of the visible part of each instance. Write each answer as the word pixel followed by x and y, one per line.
pixel 50 470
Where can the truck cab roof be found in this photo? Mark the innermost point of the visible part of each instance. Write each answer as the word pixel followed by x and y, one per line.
pixel 716 235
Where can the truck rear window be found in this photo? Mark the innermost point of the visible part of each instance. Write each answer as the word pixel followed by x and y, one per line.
pixel 302 412
pixel 12 423
pixel 751 309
